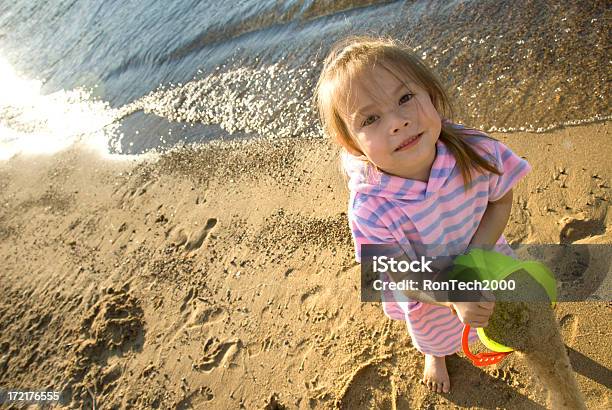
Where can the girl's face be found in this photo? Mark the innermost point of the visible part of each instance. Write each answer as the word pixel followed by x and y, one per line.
pixel 398 131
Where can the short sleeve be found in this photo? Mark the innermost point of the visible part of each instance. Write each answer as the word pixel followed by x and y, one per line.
pixel 368 229
pixel 513 168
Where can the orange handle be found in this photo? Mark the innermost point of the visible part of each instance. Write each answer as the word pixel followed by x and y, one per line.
pixel 480 359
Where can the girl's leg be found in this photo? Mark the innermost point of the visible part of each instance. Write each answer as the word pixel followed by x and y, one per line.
pixel 435 375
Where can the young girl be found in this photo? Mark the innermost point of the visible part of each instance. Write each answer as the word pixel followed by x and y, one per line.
pixel 416 180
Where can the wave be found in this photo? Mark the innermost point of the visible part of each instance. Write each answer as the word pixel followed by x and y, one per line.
pixel 246 21
pixel 34 123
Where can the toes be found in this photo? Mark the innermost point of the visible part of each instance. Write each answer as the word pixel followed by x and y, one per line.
pixel 439 387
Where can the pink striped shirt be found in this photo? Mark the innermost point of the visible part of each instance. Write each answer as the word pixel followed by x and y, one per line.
pixel 417 216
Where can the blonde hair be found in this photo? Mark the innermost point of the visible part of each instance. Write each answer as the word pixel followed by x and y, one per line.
pixel 351 57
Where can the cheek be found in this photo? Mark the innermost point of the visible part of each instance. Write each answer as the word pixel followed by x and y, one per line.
pixel 374 143
pixel 368 147
pixel 429 109
pixel 432 113
pixel 436 128
pixel 435 120
pixel 363 139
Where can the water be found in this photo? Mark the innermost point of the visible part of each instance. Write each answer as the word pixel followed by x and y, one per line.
pixel 151 75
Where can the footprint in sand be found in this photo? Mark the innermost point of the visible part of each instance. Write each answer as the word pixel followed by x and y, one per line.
pixel 196 399
pixel 574 228
pixel 142 189
pixel 191 295
pixel 197 238
pixel 368 386
pixel 196 315
pixel 220 355
pixel 274 403
pixel 128 194
pixel 199 315
pixel 309 293
pixel 176 236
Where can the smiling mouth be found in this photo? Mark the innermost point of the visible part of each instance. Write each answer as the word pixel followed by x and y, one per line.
pixel 409 142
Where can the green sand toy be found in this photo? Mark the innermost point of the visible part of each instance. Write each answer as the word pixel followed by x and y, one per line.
pixel 480 264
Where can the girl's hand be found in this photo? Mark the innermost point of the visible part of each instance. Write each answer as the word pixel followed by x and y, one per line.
pixel 475 314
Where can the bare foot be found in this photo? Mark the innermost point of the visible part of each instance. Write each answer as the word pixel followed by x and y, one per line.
pixel 435 375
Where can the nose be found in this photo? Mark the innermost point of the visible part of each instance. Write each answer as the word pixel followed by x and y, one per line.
pixel 398 123
pixel 396 130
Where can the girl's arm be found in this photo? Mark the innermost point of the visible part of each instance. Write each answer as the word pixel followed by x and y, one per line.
pixel 493 222
pixel 489 230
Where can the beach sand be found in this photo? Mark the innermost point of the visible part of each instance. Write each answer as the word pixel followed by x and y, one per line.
pixel 224 276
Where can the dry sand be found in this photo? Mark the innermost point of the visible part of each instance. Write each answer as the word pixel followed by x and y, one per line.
pixel 224 278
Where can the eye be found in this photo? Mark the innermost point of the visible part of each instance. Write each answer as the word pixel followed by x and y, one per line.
pixel 370 120
pixel 405 98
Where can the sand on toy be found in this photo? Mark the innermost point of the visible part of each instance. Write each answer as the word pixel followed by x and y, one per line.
pixel 525 321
